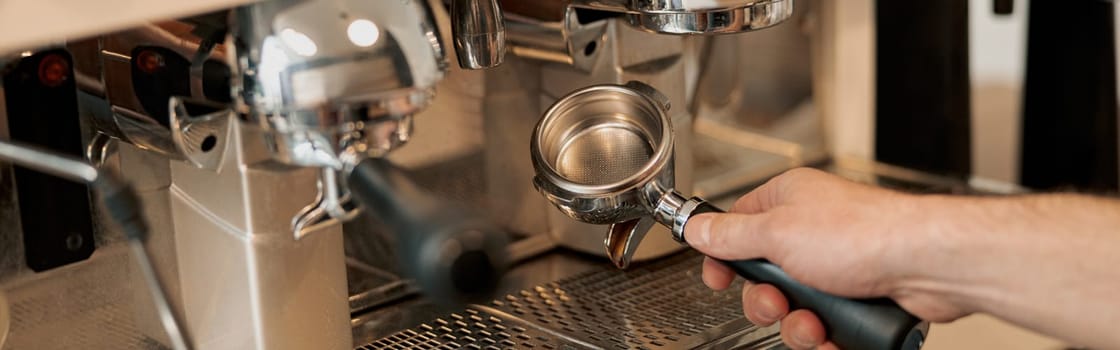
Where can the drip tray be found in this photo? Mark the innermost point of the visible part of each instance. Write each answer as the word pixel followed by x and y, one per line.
pixel 663 305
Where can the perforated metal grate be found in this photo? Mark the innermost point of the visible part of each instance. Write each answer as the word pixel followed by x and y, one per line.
pixel 660 306
pixel 92 305
pixel 628 310
pixel 472 329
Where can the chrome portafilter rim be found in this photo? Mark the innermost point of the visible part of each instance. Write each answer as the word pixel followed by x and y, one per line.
pixel 554 129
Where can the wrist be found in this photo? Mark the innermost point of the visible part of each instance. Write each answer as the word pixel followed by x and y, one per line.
pixel 937 244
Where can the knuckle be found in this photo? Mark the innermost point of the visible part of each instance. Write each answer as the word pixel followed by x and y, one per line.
pixel 791 182
pixel 798 174
pixel 743 203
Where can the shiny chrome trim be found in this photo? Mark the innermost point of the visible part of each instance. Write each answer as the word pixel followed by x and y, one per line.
pixel 48 162
pixel 679 17
pixel 480 33
pixel 311 72
pixel 115 56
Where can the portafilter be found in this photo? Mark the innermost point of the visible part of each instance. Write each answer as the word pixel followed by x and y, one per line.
pixel 604 155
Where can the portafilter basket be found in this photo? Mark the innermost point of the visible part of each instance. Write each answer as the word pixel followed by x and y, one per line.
pixel 602 152
pixel 604 155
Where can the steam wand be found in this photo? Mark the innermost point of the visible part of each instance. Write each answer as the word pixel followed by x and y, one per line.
pixel 123 206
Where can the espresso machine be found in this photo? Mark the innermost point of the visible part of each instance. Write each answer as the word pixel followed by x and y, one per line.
pixel 349 174
pixel 238 130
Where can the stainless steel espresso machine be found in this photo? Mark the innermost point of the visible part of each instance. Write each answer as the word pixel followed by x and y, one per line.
pixel 265 143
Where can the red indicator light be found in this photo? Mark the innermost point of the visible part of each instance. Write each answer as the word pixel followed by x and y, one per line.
pixel 149 61
pixel 53 70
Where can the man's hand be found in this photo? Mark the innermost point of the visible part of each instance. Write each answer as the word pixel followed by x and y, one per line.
pixel 832 234
pixel 1044 262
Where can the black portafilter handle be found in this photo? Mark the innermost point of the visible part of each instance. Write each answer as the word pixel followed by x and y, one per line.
pixel 863 324
pixel 455 255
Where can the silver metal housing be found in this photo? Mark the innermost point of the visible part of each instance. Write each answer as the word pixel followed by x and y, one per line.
pixel 326 77
pixel 245 282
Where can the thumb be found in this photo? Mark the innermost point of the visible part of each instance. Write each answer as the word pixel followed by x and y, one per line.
pixel 728 236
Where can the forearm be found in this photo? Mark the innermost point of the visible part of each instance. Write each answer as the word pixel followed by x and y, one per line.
pixel 1046 262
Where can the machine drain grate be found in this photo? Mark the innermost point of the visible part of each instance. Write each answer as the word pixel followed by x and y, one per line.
pixel 663 305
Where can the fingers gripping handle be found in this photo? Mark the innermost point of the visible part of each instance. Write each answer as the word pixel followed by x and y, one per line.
pixel 870 324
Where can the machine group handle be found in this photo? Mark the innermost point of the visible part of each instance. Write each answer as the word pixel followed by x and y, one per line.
pixel 454 254
pixel 864 324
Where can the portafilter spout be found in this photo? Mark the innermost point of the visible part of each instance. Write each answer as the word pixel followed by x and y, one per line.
pixel 604 155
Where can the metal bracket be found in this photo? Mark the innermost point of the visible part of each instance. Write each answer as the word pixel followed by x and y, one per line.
pixel 330 208
pixel 202 139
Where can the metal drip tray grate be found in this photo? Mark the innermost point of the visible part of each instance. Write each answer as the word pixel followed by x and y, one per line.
pixel 473 329
pixel 660 306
